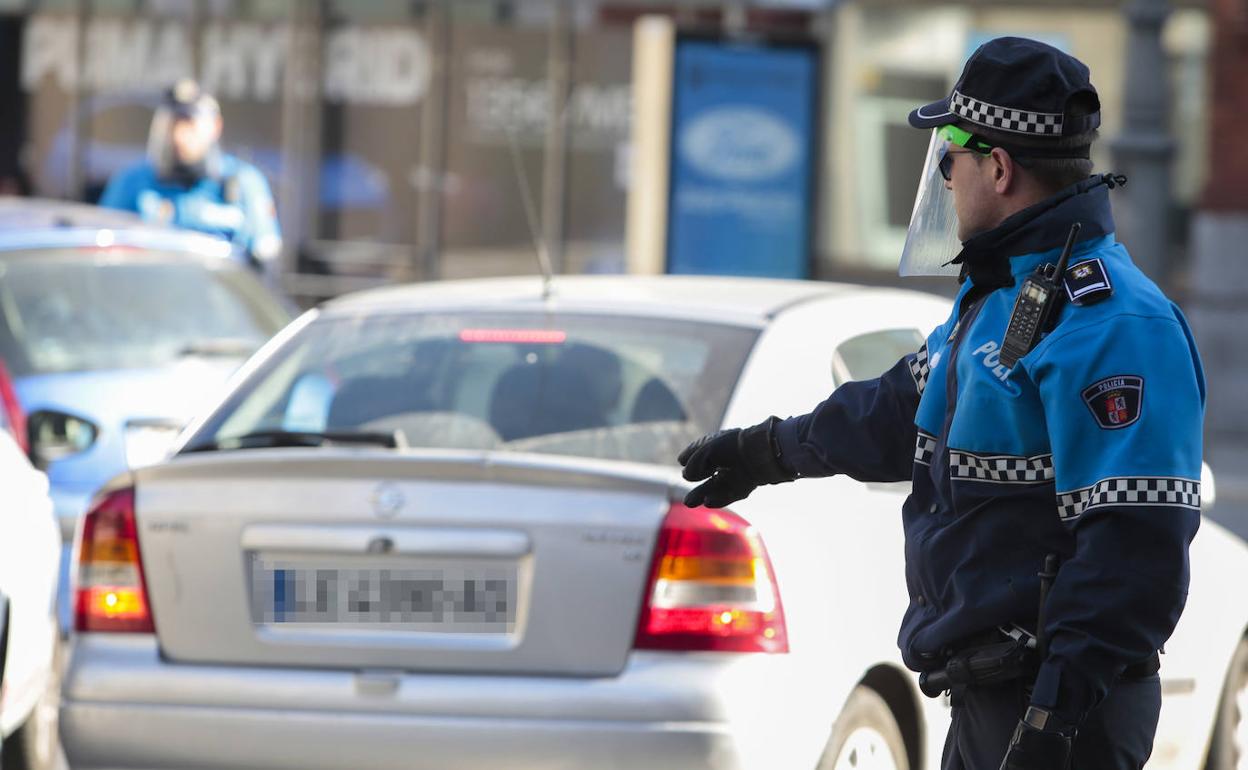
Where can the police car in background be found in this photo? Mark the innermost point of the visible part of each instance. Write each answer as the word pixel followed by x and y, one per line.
pixel 441 526
pixel 114 332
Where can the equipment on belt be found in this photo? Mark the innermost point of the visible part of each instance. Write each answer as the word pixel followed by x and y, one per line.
pixel 1003 660
pixel 1020 655
pixel 986 664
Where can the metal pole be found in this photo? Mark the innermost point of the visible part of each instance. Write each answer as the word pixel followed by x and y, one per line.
pixel 1144 149
pixel 80 107
pixel 299 200
pixel 433 117
pixel 555 165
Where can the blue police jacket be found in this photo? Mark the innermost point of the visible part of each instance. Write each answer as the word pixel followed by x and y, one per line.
pixel 1089 448
pixel 235 203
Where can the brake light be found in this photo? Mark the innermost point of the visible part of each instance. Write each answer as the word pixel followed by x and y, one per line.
pixel 515 336
pixel 111 593
pixel 711 587
pixel 13 409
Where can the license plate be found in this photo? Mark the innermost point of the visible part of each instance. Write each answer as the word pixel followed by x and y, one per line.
pixel 444 598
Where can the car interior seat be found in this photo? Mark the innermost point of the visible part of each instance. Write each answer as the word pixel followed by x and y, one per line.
pixel 364 399
pixel 655 402
pixel 534 399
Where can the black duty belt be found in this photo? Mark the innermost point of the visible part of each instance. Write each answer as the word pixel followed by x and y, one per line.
pixel 1001 656
pixel 1142 669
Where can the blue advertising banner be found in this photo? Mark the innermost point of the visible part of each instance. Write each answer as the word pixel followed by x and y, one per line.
pixel 743 159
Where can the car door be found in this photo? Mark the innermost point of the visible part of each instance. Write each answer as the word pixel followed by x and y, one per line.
pixel 29 553
pixel 836 543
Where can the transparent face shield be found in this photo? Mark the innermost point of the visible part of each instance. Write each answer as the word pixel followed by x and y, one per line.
pixel 932 238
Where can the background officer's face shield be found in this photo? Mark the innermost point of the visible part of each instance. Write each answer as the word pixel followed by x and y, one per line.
pixel 181 141
pixel 932 239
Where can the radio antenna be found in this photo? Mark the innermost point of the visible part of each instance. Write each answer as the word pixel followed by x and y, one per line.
pixel 1065 255
pixel 530 215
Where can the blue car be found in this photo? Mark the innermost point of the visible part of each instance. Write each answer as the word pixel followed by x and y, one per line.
pixel 115 334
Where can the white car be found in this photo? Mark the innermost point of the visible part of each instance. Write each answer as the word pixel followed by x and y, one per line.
pixel 440 527
pixel 30 547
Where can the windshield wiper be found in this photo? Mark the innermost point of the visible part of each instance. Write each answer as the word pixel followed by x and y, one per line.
pixel 267 439
pixel 218 346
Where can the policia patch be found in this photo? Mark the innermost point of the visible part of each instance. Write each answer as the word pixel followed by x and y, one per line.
pixel 1116 401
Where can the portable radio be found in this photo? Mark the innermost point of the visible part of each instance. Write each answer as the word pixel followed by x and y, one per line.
pixel 1037 305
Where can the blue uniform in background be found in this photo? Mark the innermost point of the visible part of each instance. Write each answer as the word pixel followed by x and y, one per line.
pixel 234 203
pixel 1088 448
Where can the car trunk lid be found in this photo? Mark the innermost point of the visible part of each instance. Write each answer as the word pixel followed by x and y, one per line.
pixel 433 560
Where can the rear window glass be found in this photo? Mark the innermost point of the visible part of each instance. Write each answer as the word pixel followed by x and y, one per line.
pixel 607 387
pixel 69 311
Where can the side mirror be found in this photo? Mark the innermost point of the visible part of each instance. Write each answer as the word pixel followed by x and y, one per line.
pixel 56 435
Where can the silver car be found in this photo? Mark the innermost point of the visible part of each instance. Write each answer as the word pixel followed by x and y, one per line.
pixel 439 527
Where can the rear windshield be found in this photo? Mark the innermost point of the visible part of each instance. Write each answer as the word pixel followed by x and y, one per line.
pixel 607 387
pixel 64 311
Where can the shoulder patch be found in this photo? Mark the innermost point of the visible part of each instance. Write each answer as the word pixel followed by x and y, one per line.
pixel 1087 282
pixel 1117 401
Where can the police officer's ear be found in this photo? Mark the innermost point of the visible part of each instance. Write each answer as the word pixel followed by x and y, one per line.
pixel 1003 171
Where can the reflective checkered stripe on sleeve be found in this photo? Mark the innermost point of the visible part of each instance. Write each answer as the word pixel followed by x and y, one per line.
pixel 1133 490
pixel 924 448
pixel 1006 119
pixel 920 368
pixel 1000 469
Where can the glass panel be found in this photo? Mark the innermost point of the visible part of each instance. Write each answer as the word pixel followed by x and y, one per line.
pixel 376 77
pixel 634 389
pixel 599 117
pixel 498 108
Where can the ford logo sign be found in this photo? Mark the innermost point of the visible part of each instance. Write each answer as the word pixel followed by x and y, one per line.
pixel 739 143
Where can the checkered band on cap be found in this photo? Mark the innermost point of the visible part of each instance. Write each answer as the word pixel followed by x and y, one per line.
pixel 1005 118
pixel 1136 490
pixel 1001 469
pixel 924 448
pixel 920 368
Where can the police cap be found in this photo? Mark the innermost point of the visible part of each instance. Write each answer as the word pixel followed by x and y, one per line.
pixel 1021 86
pixel 185 99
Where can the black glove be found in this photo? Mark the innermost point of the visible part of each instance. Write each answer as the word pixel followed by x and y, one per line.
pixel 1039 743
pixel 734 461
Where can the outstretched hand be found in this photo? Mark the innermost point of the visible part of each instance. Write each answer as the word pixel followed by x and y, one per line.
pixel 717 459
pixel 731 464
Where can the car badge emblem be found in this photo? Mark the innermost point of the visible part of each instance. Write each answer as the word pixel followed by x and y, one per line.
pixel 387 500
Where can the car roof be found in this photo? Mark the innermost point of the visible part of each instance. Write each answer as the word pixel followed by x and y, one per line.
pixel 744 301
pixel 46 213
pixel 32 224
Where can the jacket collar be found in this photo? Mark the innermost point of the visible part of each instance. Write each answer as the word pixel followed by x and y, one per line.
pixel 993 259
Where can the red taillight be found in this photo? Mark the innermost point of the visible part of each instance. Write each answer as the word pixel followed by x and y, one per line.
pixel 111 592
pixel 13 409
pixel 711 587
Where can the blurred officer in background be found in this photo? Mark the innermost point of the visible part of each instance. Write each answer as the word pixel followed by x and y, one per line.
pixel 1051 425
pixel 187 181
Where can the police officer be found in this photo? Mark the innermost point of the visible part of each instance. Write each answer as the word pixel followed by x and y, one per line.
pixel 187 181
pixel 1074 432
